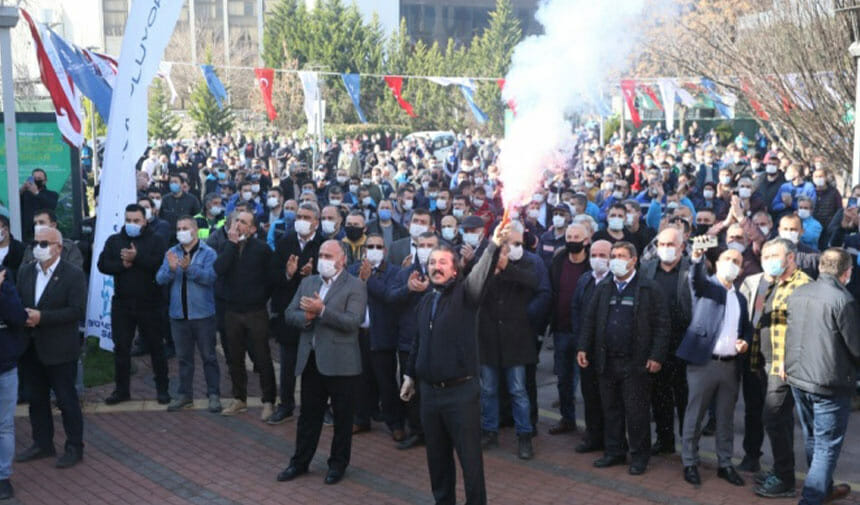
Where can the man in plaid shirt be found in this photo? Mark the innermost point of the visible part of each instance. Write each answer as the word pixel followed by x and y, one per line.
pixel 778 262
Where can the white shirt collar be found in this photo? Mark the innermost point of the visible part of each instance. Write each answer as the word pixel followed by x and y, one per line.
pixel 50 271
pixel 329 282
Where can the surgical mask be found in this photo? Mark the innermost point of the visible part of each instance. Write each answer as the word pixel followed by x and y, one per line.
pixel 353 188
pixel 765 230
pixel 477 202
pixel 458 213
pixel 374 256
pixel 771 169
pixel 302 226
pixel 335 202
pixel 132 229
pixel 667 254
pixel 442 204
pixel 328 226
pixel 255 188
pixel 175 187
pixel 589 185
pixel 533 213
pixel 618 194
pixel 157 203
pixel 407 204
pixel 247 195
pixel 449 233
pixel 727 270
pixel 289 214
pixel 773 267
pixel 599 265
pixel 147 213
pixel 479 180
pixel 615 223
pixel 367 201
pixel 42 253
pixel 558 221
pixel 725 180
pixel 618 267
pixel 216 210
pixel 472 239
pixel 672 205
pixel 415 230
pixel 737 246
pixel 326 268
pixel 385 214
pixel 803 213
pixel 537 197
pixel 515 253
pixel 630 220
pixel 793 236
pixel 819 181
pixel 273 202
pixel 708 193
pixel 341 179
pixel 424 254
pixel 184 236
pixel 425 185
pixel 366 181
pixel 744 192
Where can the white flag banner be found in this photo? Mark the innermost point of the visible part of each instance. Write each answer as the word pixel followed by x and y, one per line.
pixel 668 90
pixel 147 31
pixel 448 81
pixel 311 88
pixel 685 96
pixel 164 72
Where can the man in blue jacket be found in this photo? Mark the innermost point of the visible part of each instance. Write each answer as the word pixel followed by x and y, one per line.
pixel 12 342
pixel 719 332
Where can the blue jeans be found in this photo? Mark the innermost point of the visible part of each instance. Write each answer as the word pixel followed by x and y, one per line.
pixel 567 371
pixel 187 334
pixel 823 420
pixel 516 378
pixel 8 400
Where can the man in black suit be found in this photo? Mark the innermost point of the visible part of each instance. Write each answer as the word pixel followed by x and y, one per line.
pixel 54 294
pixel 35 195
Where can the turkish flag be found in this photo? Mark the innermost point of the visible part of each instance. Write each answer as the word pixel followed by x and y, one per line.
pixel 265 78
pixel 396 84
pixel 628 89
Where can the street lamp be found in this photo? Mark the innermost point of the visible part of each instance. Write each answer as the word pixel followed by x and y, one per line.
pixel 851 8
pixel 8 19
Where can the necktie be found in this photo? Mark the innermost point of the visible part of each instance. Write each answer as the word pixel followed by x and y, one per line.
pixel 436 295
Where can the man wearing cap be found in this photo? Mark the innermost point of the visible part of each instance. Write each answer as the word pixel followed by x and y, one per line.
pixel 553 239
pixel 474 242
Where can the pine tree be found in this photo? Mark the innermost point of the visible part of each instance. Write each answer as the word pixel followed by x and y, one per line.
pixel 204 111
pixel 163 124
pixel 492 56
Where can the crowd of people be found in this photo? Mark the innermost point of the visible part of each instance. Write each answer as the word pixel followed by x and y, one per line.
pixel 670 272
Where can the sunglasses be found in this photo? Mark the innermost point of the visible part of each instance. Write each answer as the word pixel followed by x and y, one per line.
pixel 42 243
pixel 380 247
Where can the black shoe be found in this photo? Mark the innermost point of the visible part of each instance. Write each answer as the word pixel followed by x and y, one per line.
pixel 749 464
pixel 663 448
pixel 710 428
pixel 33 453
pixel 774 487
pixel 563 426
pixel 280 415
pixel 524 447
pixel 691 475
pixel 761 477
pixel 6 490
pixel 410 442
pixel 333 476
pixel 70 458
pixel 588 446
pixel 489 440
pixel 730 475
pixel 116 398
pixel 637 467
pixel 290 473
pixel 606 461
pixel 163 397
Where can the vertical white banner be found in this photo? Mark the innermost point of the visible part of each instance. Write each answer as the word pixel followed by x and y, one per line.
pixel 667 95
pixel 148 29
pixel 311 88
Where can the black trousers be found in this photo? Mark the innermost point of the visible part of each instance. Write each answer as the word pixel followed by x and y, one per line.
pixel 778 421
pixel 589 385
pixel 379 386
pixel 220 310
pixel 249 331
pixel 413 406
pixel 317 389
pixel 625 393
pixel 124 321
pixel 452 422
pixel 289 349
pixel 367 392
pixel 668 397
pixel 753 385
pixel 61 378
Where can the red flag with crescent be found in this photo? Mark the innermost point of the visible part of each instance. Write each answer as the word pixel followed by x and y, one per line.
pixel 628 90
pixel 395 82
pixel 265 78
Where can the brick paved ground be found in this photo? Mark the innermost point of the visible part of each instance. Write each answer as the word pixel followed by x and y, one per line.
pixel 143 456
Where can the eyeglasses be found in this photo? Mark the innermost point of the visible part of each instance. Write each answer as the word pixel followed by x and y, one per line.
pixel 380 247
pixel 42 243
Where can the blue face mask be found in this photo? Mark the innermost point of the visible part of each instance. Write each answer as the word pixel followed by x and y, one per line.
pixel 210 177
pixel 222 175
pixel 132 230
pixel 384 214
pixel 175 187
pixel 773 267
pixel 289 215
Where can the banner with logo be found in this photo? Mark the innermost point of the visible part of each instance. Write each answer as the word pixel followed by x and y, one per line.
pixel 147 31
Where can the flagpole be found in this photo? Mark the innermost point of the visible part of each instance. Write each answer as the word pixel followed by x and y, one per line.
pixel 8 19
pixel 95 144
pixel 260 32
pixel 226 15
pixel 192 27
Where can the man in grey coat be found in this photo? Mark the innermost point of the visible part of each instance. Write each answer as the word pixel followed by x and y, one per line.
pixel 328 308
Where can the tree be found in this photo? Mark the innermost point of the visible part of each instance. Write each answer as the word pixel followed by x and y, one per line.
pixel 163 124
pixel 491 56
pixel 101 127
pixel 204 111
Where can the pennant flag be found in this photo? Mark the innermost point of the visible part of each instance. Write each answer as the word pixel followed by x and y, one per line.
pixel 64 95
pixel 265 78
pixel 352 83
pixel 396 84
pixel 214 84
pixel 511 103
pixel 164 69
pixel 311 88
pixel 753 100
pixel 719 102
pixel 652 96
pixel 468 93
pixel 447 81
pixel 668 91
pixel 82 73
pixel 628 89
pixel 685 97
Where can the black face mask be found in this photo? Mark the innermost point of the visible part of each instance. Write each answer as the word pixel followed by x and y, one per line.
pixel 702 229
pixel 39 183
pixel 575 247
pixel 354 233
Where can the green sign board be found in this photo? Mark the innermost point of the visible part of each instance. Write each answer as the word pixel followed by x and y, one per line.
pixel 40 145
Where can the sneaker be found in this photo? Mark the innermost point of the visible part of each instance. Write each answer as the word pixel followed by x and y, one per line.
pixel 236 407
pixel 179 403
pixel 162 397
pixel 116 397
pixel 489 440
pixel 280 416
pixel 214 404
pixel 268 410
pixel 524 447
pixel 760 477
pixel 774 487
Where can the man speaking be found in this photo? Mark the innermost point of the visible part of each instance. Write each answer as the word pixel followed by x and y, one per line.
pixel 444 361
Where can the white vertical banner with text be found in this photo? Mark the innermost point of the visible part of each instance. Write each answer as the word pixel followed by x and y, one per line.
pixel 148 29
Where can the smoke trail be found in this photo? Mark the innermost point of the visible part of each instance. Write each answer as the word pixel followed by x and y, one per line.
pixel 557 73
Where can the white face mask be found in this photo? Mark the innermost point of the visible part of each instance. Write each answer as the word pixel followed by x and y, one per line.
pixel 407 204
pixel 803 213
pixel 424 254
pixel 478 202
pixel 737 246
pixel 374 256
pixel 793 236
pixel 326 268
pixel 515 253
pixel 667 254
pixel 630 220
pixel 708 193
pixel 415 230
pixel 335 202
pixel 39 227
pixel 472 239
pixel 618 194
pixel 366 181
pixel 764 230
pixel 247 195
pixel 558 221
pixel 744 192
pixel 273 202
pixel 538 197
pixel 328 227
pixel 442 204
pixel 147 212
pixel 353 188
pixel 727 271
pixel 458 213
pixel 533 213
pixel 255 188
pixel 725 180
pixel 42 254
pixel 599 265
pixel 618 267
pixel 184 236
pixel 157 203
pixel 341 179
pixel 771 169
pixel 302 226
pixel 819 181
pixel 615 223
pixel 449 234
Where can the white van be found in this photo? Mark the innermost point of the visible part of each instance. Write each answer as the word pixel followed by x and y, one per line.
pixel 443 143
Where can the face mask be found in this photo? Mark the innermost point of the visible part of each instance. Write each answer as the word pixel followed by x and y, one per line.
pixel 42 253
pixel 366 182
pixel 615 223
pixel 247 195
pixel 354 233
pixel 374 256
pixel 672 205
pixel 458 213
pixel 708 194
pixel 667 254
pixel 175 187
pixel 533 213
pixel 222 176
pixel 558 221
pixel 442 204
pixel 477 202
pixel 273 202
pixel 773 267
pixel 326 268
pixel 184 237
pixel 618 195
pixel 819 181
pixel 793 236
pixel 515 253
pixel 289 215
pixel 407 204
pixel 472 239
pixel 765 230
pixel 449 234
pixel 630 220
pixel 755 166
pixel 618 267
pixel 424 254
pixel 599 265
pixel 725 180
pixel 744 192
pixel 537 198
pixel 132 229
pixel 328 227
pixel 302 227
pixel 415 230
pixel 255 188
pixel 353 188
pixel 157 203
pixel 574 247
pixel 385 214
pixel 335 202
pixel 341 179
pixel 589 185
pixel 727 271
pixel 216 210
pixel 147 213
pixel 771 169
pixel 803 213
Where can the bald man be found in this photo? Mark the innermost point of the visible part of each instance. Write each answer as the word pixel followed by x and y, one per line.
pixel 719 333
pixel 328 308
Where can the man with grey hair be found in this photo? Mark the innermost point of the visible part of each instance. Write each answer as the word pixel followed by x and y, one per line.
pixel 821 357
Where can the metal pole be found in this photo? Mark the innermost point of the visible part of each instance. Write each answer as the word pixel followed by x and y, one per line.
pixel 260 32
pixel 95 146
pixel 192 27
pixel 226 15
pixel 855 161
pixel 8 19
pixel 623 106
